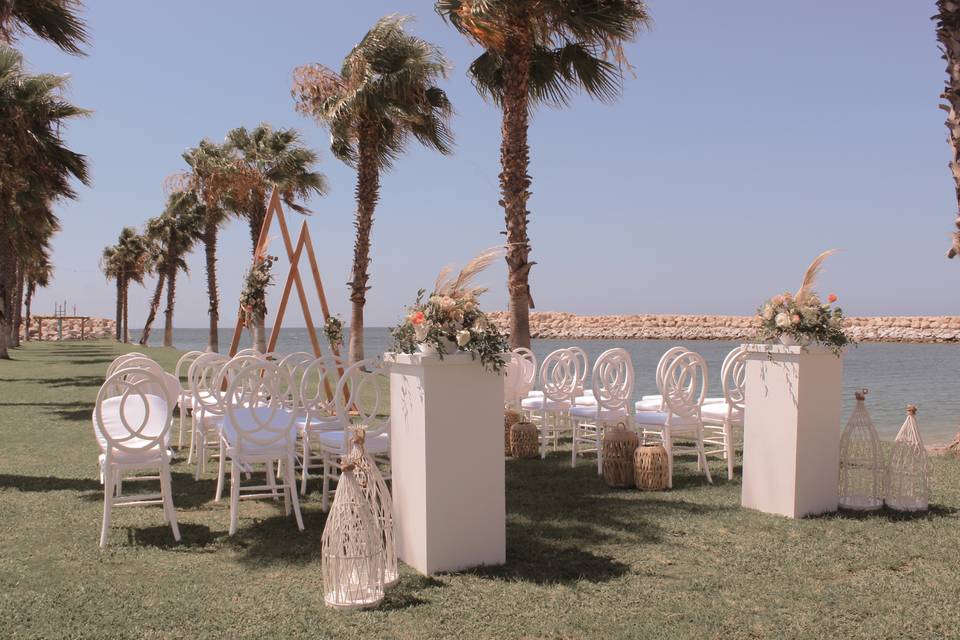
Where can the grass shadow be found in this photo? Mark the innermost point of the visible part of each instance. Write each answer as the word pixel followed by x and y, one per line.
pixel 935 512
pixel 48 483
pixel 192 537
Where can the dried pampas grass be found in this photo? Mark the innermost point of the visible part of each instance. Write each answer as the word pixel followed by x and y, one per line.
pixel 462 285
pixel 806 289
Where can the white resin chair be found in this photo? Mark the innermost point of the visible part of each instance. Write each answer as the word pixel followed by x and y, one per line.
pixel 655 402
pixel 185 401
pixel 559 374
pixel 258 428
pixel 317 388
pixel 119 360
pixel 207 407
pixel 131 423
pixel 723 421
pixel 612 387
pixel 683 388
pixel 361 399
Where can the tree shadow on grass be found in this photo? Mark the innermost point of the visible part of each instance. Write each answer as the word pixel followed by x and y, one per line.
pixel 276 540
pixel 935 512
pixel 192 537
pixel 70 381
pixel 48 483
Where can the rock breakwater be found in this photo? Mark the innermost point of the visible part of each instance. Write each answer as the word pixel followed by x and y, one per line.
pixel 73 329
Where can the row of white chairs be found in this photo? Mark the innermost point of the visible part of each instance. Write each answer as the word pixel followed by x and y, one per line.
pixel 248 410
pixel 565 406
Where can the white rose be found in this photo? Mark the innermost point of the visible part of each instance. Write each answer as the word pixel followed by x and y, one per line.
pixel 421 330
pixel 783 320
pixel 767 311
pixel 463 337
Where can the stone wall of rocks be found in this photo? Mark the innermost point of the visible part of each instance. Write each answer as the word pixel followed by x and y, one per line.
pixel 567 326
pixel 94 329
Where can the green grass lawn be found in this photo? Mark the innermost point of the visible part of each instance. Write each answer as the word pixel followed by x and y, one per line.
pixel 582 560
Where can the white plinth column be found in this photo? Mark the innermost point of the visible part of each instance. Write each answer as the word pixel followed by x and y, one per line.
pixel 791 448
pixel 446 458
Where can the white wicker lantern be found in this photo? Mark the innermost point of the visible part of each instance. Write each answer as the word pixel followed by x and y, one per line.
pixel 352 548
pixel 375 489
pixel 861 461
pixel 908 471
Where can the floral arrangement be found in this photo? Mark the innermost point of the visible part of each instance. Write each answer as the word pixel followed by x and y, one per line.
pixel 253 298
pixel 450 319
pixel 333 328
pixel 802 318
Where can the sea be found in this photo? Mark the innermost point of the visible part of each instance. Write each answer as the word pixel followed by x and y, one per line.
pixel 927 375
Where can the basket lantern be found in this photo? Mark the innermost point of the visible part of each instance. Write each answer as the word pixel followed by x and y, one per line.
pixel 352 548
pixel 907 486
pixel 619 444
pixel 375 489
pixel 861 461
pixel 510 418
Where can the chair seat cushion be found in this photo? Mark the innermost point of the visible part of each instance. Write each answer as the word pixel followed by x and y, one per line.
pixel 590 413
pixel 585 400
pixel 537 404
pixel 718 411
pixel 145 457
pixel 652 404
pixel 273 442
pixel 659 418
pixel 374 443
pixel 318 423
pixel 133 412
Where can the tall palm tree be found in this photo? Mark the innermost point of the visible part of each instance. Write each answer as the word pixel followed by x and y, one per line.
pixel 55 21
pixel 536 52
pixel 126 262
pixel 268 158
pixel 211 172
pixel 38 273
pixel 385 94
pixel 155 267
pixel 948 34
pixel 36 168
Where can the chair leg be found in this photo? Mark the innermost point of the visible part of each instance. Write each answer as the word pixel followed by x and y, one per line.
pixel 668 445
pixel 107 506
pixel 272 480
pixel 544 433
pixel 304 471
pixel 728 450
pixel 166 489
pixel 325 505
pixel 221 471
pixel 573 444
pixel 599 437
pixel 234 495
pixel 702 456
pixel 201 446
pixel 292 489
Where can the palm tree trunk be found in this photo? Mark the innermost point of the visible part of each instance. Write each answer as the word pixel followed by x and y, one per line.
pixel 18 305
pixel 367 194
pixel 119 327
pixel 948 33
pixel 171 300
pixel 154 306
pixel 210 251
pixel 257 215
pixel 126 311
pixel 7 284
pixel 515 181
pixel 31 287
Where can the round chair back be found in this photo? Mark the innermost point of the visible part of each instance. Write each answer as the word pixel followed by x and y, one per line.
pixel 261 417
pixel 202 377
pixel 732 377
pixel 529 367
pixel 130 416
pixel 613 380
pixel 119 360
pixel 318 385
pixel 363 392
pixel 685 385
pixel 559 374
pixel 584 364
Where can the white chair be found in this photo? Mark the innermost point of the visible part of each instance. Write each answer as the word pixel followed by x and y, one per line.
pixel 559 374
pixel 655 402
pixel 723 421
pixel 362 392
pixel 131 423
pixel 207 407
pixel 258 428
pixel 185 400
pixel 683 388
pixel 612 387
pixel 529 370
pixel 319 412
pixel 119 360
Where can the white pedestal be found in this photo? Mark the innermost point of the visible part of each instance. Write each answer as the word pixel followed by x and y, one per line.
pixel 791 448
pixel 446 448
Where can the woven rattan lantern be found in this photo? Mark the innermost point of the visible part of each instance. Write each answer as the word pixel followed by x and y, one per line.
pixel 352 548
pixel 619 444
pixel 510 418
pixel 907 486
pixel 861 461
pixel 524 440
pixel 651 468
pixel 375 489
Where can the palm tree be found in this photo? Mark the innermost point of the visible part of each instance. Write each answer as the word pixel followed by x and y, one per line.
pixel 155 266
pixel 39 273
pixel 536 52
pixel 267 158
pixel 56 21
pixel 210 173
pixel 384 94
pixel 948 34
pixel 36 168
pixel 178 230
pixel 126 262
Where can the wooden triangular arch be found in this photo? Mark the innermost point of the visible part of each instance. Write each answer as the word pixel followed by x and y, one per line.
pixel 274 209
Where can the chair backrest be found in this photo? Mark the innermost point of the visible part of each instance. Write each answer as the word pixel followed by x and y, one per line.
pixel 685 385
pixel 261 418
pixel 316 398
pixel 584 364
pixel 169 386
pixel 183 364
pixel 559 374
pixel 665 360
pixel 248 352
pixel 612 380
pixel 733 374
pixel 513 377
pixel 529 373
pixel 203 376
pixel 364 390
pixel 296 363
pixel 129 416
pixel 119 360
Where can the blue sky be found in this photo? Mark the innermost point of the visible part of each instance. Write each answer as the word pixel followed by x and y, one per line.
pixel 754 135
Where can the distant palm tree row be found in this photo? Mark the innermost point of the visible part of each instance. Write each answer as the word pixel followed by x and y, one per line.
pixel 36 166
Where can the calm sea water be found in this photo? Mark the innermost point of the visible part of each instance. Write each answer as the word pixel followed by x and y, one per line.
pixel 927 375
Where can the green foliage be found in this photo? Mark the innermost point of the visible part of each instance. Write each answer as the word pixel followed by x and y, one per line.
pixel 333 328
pixel 55 21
